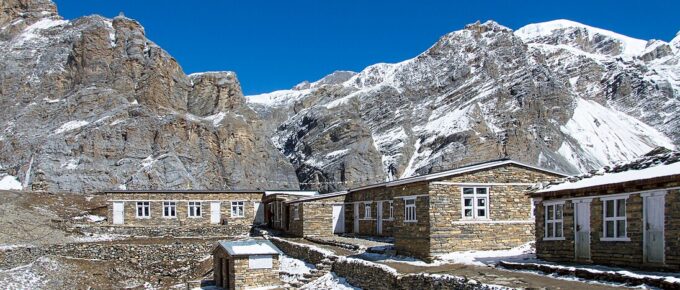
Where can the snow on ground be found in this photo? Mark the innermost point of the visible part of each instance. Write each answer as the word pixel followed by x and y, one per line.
pixel 9 182
pixel 277 98
pixel 484 258
pixel 91 218
pixel 30 276
pixel 329 281
pixel 295 266
pixel 97 238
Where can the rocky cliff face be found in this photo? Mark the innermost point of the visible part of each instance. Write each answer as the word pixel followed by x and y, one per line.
pixel 560 95
pixel 92 104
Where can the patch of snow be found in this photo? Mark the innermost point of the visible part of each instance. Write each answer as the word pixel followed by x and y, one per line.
pixel 330 281
pixel 215 119
pixel 7 247
pixel 51 101
pixel 70 164
pixel 9 182
pixel 605 135
pixel 71 125
pixel 27 175
pixel 631 46
pixel 483 258
pixel 32 32
pixel 277 98
pixel 95 218
pixel 122 187
pixel 97 238
pixel 294 266
pixel 629 175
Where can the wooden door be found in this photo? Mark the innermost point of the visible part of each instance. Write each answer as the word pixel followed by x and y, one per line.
pixel 118 212
pixel 582 236
pixel 654 229
pixel 215 215
pixel 259 213
pixel 379 218
pixel 338 219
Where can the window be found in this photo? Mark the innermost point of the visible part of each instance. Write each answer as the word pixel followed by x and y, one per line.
pixel 169 209
pixel 296 212
pixel 391 210
pixel 475 202
pixel 260 262
pixel 237 209
pixel 614 219
pixel 143 209
pixel 553 221
pixel 532 208
pixel 410 209
pixel 194 209
pixel 367 210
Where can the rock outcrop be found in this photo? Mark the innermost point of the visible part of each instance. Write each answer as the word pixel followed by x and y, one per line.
pixel 92 104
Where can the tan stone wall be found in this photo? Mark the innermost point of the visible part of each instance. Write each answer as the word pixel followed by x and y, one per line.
pixel 182 219
pixel 240 275
pixel 620 253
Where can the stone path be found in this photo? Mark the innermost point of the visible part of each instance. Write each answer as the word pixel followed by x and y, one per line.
pixel 487 275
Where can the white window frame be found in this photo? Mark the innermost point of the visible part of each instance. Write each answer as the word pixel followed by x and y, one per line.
pixel 532 209
pixel 235 206
pixel 171 207
pixel 191 209
pixel 553 220
pixel 296 212
pixel 391 216
pixel 475 207
pixel 367 210
pixel 144 205
pixel 615 219
pixel 408 217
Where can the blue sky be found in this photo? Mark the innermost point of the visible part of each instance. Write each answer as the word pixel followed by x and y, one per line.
pixel 276 44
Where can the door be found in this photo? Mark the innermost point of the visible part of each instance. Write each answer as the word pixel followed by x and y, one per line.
pixel 118 213
pixel 215 212
pixel 259 213
pixel 582 222
pixel 356 218
pixel 379 218
pixel 338 219
pixel 654 229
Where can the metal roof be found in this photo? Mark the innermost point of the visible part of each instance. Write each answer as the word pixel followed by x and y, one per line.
pixel 318 197
pixel 249 247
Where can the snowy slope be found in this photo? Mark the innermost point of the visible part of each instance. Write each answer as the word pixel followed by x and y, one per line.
pixel 559 94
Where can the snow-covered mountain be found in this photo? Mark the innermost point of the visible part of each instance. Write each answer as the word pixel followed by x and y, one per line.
pixel 558 94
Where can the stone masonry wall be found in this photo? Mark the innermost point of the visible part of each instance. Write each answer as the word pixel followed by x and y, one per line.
pixel 317 216
pixel 617 253
pixel 245 278
pixel 182 219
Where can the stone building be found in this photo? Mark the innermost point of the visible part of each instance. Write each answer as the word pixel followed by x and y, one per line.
pixel 276 213
pixel 184 207
pixel 481 206
pixel 246 264
pixel 320 215
pixel 627 214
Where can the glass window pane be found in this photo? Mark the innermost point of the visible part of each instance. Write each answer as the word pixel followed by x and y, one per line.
pixel 621 207
pixel 481 190
pixel 621 229
pixel 558 211
pixel 468 190
pixel 609 229
pixel 481 202
pixel 551 209
pixel 481 213
pixel 609 208
pixel 468 212
pixel 558 230
pixel 550 230
pixel 468 202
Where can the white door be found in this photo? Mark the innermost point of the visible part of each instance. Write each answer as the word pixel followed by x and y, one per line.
pixel 582 222
pixel 118 213
pixel 379 218
pixel 654 229
pixel 259 213
pixel 215 212
pixel 338 219
pixel 356 218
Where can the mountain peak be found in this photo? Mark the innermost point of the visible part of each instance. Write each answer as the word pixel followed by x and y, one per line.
pixel 25 9
pixel 556 28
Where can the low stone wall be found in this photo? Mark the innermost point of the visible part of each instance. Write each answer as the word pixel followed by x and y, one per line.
pixel 369 275
pixel 177 260
pixel 607 276
pixel 156 231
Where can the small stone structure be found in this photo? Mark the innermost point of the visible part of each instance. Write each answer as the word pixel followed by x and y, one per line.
pixel 317 216
pixel 623 215
pixel 246 264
